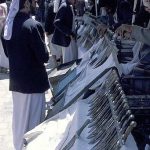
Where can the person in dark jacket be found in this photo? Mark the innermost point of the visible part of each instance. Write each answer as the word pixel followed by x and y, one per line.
pixel 65 29
pixel 49 30
pixel 24 45
pixel 124 13
pixel 63 23
pixel 142 18
pixel 49 19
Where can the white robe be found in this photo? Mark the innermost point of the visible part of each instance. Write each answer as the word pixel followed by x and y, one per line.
pixel 3 59
pixel 71 52
pixel 28 112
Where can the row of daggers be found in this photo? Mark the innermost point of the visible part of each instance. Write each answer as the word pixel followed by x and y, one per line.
pixel 111 118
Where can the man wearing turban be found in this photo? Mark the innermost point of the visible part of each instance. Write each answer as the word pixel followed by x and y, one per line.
pixel 24 46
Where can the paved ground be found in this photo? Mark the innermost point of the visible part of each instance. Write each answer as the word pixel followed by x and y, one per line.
pixel 6 113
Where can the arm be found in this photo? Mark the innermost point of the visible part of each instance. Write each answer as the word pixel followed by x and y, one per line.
pixel 141 34
pixel 38 44
pixel 136 32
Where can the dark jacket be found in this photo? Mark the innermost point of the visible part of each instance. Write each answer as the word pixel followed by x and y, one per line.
pixel 142 18
pixel 49 20
pixel 124 12
pixel 27 54
pixel 63 25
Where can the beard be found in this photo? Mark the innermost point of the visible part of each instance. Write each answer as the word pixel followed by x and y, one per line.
pixel 32 10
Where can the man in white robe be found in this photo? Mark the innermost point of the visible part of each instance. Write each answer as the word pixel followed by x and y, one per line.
pixel 24 46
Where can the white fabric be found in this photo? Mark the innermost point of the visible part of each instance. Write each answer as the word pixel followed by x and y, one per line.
pixel 53 131
pixel 130 144
pixel 54 49
pixel 28 112
pixel 3 14
pixel 128 67
pixel 134 9
pixel 47 42
pixel 14 7
pixel 70 53
pixel 57 131
pixel 82 51
pixel 3 59
pixel 98 49
pixel 81 29
pixel 83 33
pixel 56 5
pixel 87 76
pixel 147 147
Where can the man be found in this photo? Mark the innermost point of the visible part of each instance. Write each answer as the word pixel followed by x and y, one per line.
pixel 139 33
pixel 49 30
pixel 64 32
pixel 24 45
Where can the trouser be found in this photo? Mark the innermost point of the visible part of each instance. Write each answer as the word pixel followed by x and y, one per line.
pixel 28 112
pixel 70 53
pixel 55 50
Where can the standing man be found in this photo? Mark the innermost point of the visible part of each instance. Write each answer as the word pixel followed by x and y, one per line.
pixel 49 30
pixel 24 45
pixel 64 33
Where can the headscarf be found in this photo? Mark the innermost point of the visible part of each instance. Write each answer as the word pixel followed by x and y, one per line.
pixel 14 8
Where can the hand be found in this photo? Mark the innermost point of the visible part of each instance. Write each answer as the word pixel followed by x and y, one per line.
pixel 124 31
pixel 73 35
pixel 102 29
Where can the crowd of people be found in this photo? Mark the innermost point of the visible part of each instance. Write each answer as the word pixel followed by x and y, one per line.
pixel 24 44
